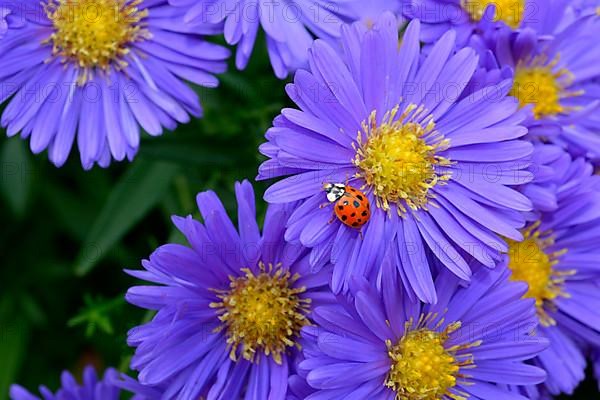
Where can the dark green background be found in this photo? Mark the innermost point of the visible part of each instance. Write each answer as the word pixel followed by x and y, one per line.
pixel 67 234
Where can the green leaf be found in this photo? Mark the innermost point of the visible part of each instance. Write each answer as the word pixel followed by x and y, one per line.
pixel 240 85
pixel 74 215
pixel 14 335
pixel 96 315
pixel 32 309
pixel 138 191
pixel 17 174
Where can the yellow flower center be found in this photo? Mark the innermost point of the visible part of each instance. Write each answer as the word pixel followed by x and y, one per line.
pixel 423 368
pixel 95 33
pixel 538 83
pixel 262 312
pixel 531 263
pixel 508 11
pixel 398 161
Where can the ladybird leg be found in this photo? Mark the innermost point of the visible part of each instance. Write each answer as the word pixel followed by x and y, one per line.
pixel 325 205
pixel 360 233
pixel 331 220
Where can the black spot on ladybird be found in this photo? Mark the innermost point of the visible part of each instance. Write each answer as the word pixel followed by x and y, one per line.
pixel 345 203
pixel 364 214
pixel 359 220
pixel 353 215
pixel 356 204
pixel 359 197
pixel 340 208
pixel 344 217
pixel 355 224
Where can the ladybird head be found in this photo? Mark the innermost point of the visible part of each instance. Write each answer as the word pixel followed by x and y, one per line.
pixel 334 191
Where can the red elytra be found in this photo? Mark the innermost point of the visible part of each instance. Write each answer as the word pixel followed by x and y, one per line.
pixel 352 206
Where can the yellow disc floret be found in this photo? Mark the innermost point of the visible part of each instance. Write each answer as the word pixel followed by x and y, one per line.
pixel 398 159
pixel 262 312
pixel 531 263
pixel 423 368
pixel 544 86
pixel 508 11
pixel 95 33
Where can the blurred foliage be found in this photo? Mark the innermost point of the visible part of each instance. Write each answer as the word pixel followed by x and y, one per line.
pixel 68 234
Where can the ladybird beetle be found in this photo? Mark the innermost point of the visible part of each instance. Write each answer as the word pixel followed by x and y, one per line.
pixel 351 205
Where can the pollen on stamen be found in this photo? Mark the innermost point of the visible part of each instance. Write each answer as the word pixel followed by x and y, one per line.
pixel 510 12
pixel 262 312
pixel 538 82
pixel 532 263
pixel 398 159
pixel 95 34
pixel 423 366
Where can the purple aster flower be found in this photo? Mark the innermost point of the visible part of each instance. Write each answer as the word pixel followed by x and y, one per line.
pixel 471 18
pixel 437 170
pixel 548 163
pixel 125 72
pixel 369 11
pixel 289 25
pixel 584 7
pixel 92 388
pixel 229 308
pixel 140 391
pixel 4 16
pixel 299 389
pixel 596 366
pixel 9 17
pixel 558 78
pixel 473 338
pixel 558 259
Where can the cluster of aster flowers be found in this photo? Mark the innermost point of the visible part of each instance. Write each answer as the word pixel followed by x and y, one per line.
pixel 434 234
